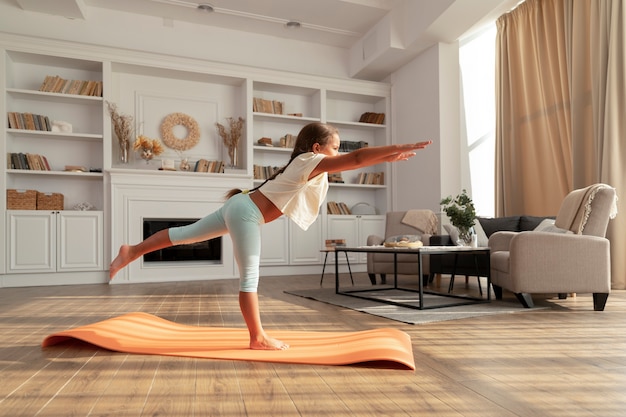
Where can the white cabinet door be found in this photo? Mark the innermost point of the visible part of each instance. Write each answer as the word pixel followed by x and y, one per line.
pixel 344 227
pixel 355 230
pixel 31 241
pixel 370 225
pixel 305 245
pixel 275 242
pixel 80 241
pixel 53 241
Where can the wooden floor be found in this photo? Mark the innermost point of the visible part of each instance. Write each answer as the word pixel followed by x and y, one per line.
pixel 561 362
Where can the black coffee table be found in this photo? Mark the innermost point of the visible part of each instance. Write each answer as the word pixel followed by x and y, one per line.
pixel 419 253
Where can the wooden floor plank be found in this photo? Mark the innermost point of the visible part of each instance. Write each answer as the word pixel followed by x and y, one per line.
pixel 560 361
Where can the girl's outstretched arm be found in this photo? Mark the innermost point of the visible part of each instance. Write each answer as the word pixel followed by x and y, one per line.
pixel 368 156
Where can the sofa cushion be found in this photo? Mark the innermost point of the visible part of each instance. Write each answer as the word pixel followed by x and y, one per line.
pixel 547 225
pixel 497 224
pixel 530 222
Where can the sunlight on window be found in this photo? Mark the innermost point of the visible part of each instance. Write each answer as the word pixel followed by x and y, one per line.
pixel 477 61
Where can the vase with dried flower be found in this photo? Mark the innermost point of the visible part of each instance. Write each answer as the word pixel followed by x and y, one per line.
pixel 123 128
pixel 149 147
pixel 231 139
pixel 462 214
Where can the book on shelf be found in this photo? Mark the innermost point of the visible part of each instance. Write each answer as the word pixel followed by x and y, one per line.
pixel 204 165
pixel 333 207
pixel 335 178
pixel 20 160
pixel 28 121
pixel 56 84
pixel 371 117
pixel 261 105
pixel 288 141
pixel 348 146
pixel 372 178
pixel 261 172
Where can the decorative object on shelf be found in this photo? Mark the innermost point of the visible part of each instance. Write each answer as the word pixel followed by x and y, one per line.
pixel 184 165
pixel 167 165
pixel 84 206
pixel 123 128
pixel 149 147
pixel 363 208
pixel 462 214
pixel 231 139
pixel 180 119
pixel 61 126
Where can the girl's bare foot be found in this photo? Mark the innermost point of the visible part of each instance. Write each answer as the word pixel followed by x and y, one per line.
pixel 123 258
pixel 268 343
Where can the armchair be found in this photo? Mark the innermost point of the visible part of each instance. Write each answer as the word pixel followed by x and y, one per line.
pixel 573 257
pixel 412 222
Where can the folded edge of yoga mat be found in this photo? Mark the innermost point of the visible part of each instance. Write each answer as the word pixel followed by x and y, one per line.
pixel 143 333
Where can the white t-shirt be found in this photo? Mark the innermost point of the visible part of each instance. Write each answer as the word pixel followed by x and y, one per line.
pixel 295 195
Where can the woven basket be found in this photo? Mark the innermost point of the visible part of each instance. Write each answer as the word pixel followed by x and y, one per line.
pixel 49 201
pixel 21 199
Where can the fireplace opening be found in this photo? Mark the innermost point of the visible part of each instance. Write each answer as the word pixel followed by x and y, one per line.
pixel 209 251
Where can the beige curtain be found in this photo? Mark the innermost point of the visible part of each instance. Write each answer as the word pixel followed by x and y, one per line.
pixel 561 110
pixel 608 92
pixel 533 137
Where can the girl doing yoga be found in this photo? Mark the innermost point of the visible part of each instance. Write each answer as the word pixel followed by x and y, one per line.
pixel 297 190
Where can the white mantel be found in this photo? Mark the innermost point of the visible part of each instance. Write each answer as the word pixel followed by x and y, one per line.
pixel 139 194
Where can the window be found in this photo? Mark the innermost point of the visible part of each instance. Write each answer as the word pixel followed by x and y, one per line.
pixel 477 62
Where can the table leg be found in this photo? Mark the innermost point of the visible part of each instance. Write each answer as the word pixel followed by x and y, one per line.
pixel 337 271
pixel 323 269
pixel 349 270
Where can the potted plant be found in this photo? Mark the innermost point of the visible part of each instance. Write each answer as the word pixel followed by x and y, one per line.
pixel 462 214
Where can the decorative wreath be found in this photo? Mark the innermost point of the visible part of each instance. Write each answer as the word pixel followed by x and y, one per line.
pixel 167 131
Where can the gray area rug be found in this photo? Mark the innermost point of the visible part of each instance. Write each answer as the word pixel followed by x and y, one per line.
pixel 411 315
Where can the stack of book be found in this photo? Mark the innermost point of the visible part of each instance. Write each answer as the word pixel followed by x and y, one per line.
pixel 204 165
pixel 27 161
pixel 331 244
pixel 376 118
pixel 56 84
pixel 337 208
pixel 29 121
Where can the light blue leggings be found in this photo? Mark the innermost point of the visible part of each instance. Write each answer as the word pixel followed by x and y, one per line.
pixel 240 218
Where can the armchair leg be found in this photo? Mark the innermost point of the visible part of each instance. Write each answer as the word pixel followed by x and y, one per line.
pixel 562 296
pixel 497 292
pixel 525 299
pixel 383 278
pixel 599 301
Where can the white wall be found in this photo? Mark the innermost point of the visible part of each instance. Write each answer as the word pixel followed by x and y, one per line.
pixel 425 105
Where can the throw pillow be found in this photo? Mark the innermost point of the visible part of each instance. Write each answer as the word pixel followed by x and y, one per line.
pixel 496 224
pixel 530 222
pixel 547 225
pixel 483 240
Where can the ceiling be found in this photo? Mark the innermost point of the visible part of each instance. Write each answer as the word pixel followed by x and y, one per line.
pixel 338 23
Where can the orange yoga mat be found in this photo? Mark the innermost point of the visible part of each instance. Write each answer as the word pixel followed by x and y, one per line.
pixel 144 333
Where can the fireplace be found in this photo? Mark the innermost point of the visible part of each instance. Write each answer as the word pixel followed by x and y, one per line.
pixel 208 252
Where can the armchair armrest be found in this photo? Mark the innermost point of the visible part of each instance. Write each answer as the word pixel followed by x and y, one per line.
pixel 501 241
pixel 374 240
